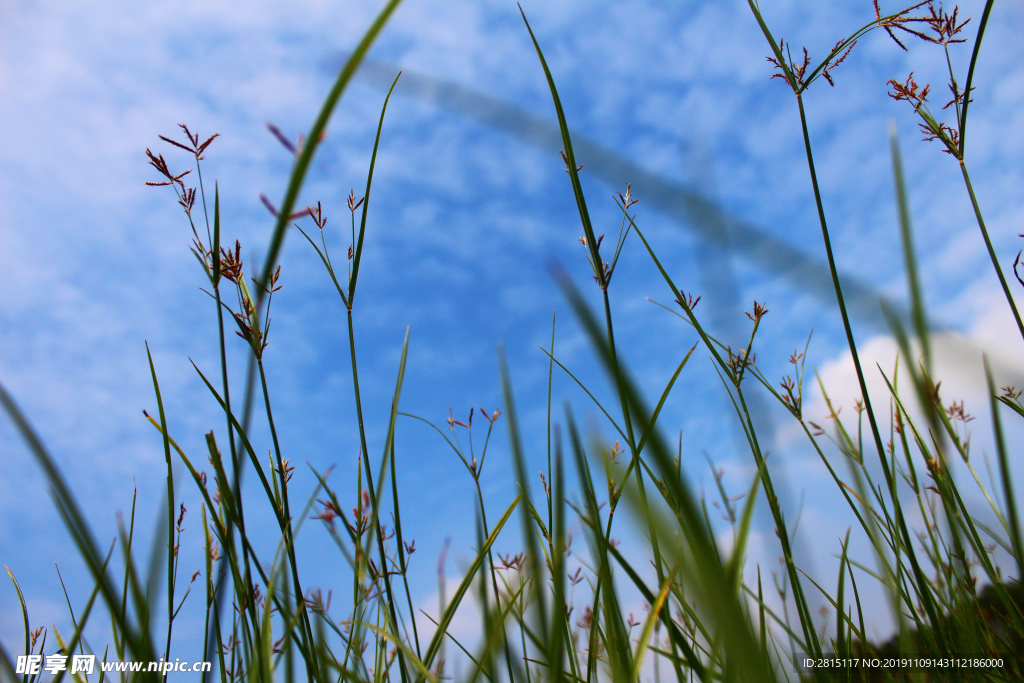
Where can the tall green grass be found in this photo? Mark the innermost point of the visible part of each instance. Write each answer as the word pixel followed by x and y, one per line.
pixel 539 620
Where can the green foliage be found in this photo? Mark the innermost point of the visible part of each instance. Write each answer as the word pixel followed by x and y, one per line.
pixel 703 621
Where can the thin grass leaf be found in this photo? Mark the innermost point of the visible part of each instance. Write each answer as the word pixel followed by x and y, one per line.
pixel 478 668
pixel 460 592
pixel 77 636
pixel 243 439
pixel 970 74
pixel 24 607
pixel 401 645
pixel 734 567
pixel 81 533
pixel 377 494
pixel 917 311
pixel 649 429
pixel 216 274
pixel 313 139
pixel 570 161
pixel 403 560
pixel 357 256
pixel 581 385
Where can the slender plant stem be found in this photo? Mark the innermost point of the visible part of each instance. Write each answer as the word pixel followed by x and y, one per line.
pixel 378 532
pixel 889 480
pixel 285 521
pixel 970 74
pixel 991 250
pixel 806 622
pixel 838 289
pixel 229 547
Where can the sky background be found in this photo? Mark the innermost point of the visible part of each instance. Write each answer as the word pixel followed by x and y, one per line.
pixel 470 209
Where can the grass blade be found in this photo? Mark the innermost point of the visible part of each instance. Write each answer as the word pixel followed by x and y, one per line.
pixel 313 140
pixel 460 592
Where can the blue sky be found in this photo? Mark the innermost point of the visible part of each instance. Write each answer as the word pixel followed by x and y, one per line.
pixel 466 219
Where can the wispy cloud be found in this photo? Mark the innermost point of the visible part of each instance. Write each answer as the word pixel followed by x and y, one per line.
pixel 464 218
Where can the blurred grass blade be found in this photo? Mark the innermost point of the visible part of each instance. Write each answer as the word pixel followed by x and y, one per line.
pixel 606 551
pixel 1013 521
pixel 313 139
pixel 734 567
pixel 522 481
pixel 917 311
pixel 6 665
pixel 841 647
pixel 746 661
pixel 79 529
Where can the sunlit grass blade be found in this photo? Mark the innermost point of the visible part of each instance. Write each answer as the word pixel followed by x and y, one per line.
pixel 643 642
pixel 460 592
pixel 24 608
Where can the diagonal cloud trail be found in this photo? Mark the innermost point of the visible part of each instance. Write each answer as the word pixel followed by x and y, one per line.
pixel 691 208
pixel 704 217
